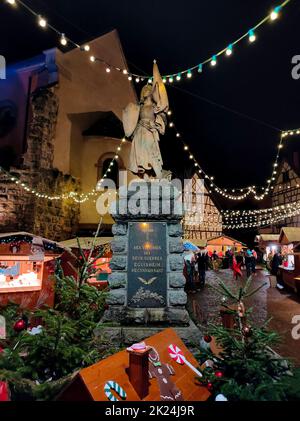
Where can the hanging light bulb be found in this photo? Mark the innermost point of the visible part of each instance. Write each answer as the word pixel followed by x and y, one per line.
pixel 178 77
pixel 171 80
pixel 137 79
pixel 107 69
pixel 63 40
pixel 275 13
pixel 42 22
pixel 189 74
pixel 229 50
pixel 86 48
pixel 200 68
pixel 164 80
pixel 93 59
pixel 129 77
pixel 252 36
pixel 12 2
pixel 150 81
pixel 213 61
pixel 125 72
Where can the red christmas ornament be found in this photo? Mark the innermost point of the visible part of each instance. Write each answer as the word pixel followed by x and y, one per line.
pixel 207 338
pixel 20 325
pixel 210 386
pixel 1 350
pixel 219 374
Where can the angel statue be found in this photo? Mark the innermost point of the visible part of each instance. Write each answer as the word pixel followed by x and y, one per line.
pixel 145 122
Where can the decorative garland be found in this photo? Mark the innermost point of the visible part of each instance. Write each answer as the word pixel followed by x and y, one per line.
pixel 172 77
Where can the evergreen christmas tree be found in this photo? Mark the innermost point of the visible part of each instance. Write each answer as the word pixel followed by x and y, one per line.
pixel 246 367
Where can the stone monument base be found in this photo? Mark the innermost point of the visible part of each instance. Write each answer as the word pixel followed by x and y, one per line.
pixel 128 335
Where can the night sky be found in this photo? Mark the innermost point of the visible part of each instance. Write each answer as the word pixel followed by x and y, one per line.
pixel 255 81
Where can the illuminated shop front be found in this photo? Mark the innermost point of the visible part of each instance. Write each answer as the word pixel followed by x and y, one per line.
pixel 27 266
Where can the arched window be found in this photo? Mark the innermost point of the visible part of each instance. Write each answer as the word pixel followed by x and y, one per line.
pixel 104 164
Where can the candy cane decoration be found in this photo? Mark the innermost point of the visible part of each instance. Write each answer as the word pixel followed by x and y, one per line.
pixel 111 385
pixel 177 355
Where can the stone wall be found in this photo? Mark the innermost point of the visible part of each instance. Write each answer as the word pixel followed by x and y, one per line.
pixel 20 210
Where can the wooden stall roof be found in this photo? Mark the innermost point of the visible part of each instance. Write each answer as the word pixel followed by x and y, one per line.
pixel 113 368
pixel 268 238
pixel 27 234
pixel 85 242
pixel 224 240
pixel 289 235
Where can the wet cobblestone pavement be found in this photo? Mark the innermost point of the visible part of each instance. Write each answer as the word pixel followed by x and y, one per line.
pixel 268 303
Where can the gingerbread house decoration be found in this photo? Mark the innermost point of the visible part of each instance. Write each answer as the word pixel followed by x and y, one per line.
pixel 151 374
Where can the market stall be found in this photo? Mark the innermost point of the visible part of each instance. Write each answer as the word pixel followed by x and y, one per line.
pixel 101 246
pixel 290 269
pixel 224 243
pixel 27 264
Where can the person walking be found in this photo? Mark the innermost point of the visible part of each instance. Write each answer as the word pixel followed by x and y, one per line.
pixel 202 262
pixel 248 262
pixel 189 270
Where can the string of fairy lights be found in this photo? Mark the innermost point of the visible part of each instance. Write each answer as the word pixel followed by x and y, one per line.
pixel 77 197
pixel 243 192
pixel 185 74
pixel 241 219
pixel 266 217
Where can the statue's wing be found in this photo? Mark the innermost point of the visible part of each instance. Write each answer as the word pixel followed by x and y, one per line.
pixel 159 91
pixel 130 118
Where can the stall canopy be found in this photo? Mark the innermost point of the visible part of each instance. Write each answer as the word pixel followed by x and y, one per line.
pixel 86 242
pixel 289 235
pixel 224 243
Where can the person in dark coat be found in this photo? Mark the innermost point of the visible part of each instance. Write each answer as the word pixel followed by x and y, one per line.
pixel 276 262
pixel 202 262
pixel 249 262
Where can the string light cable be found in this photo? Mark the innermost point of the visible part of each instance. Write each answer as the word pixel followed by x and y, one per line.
pixel 172 77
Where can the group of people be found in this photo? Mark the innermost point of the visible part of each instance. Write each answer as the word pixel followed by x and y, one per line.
pixel 195 266
pixel 197 263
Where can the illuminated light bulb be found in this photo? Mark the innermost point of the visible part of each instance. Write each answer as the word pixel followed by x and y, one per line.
pixel 171 124
pixel 189 74
pixel 229 50
pixel 213 61
pixel 191 156
pixel 116 157
pixel 123 140
pixel 186 148
pixel 164 80
pixel 252 36
pixel 150 81
pixel 119 148
pixel 171 80
pixel 178 77
pixel 63 40
pixel 169 112
pixel 177 134
pixel 137 80
pixel 12 2
pixel 275 13
pixel 107 69
pixel 280 146
pixel 93 59
pixel 200 68
pixel 129 77
pixel 42 22
pixel 125 72
pixel 86 48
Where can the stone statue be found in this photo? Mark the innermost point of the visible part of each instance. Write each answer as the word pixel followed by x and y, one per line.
pixel 145 122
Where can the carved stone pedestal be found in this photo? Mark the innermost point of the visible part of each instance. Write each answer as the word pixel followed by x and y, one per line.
pixel 147 281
